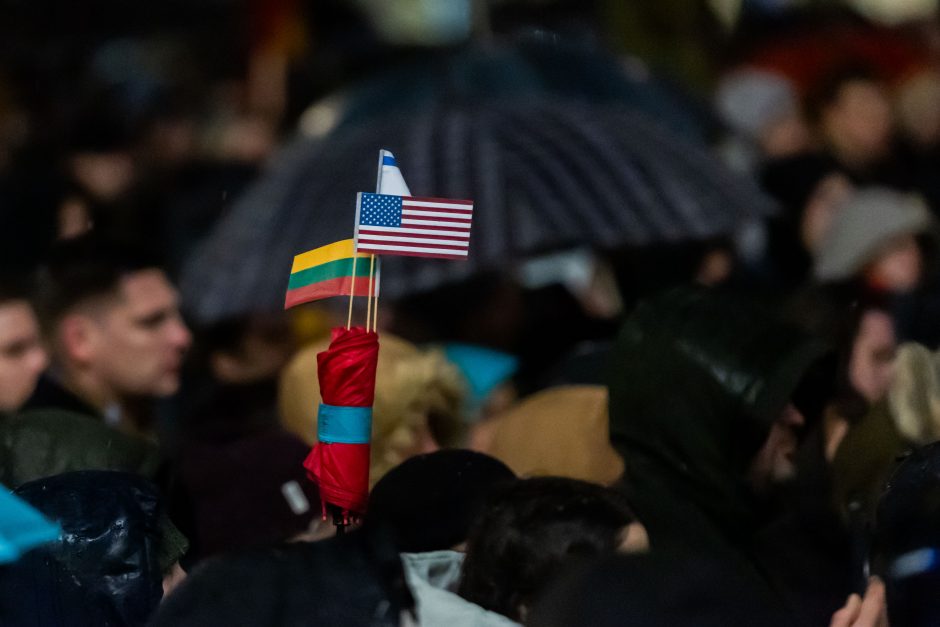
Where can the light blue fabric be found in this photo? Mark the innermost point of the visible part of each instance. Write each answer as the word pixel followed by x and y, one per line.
pixel 432 578
pixel 483 368
pixel 21 527
pixel 344 425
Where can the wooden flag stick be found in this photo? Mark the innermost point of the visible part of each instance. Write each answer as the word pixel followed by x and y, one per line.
pixel 375 298
pixel 352 292
pixel 375 315
pixel 369 300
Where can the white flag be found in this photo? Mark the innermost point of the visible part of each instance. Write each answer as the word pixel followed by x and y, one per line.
pixel 390 180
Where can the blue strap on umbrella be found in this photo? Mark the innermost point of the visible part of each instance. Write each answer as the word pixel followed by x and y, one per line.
pixel 344 425
pixel 22 528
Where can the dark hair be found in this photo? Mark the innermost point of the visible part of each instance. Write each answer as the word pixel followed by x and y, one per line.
pixel 84 268
pixel 429 502
pixel 835 312
pixel 12 288
pixel 534 530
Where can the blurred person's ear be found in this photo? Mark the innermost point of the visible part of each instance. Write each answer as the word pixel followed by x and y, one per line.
pixel 78 338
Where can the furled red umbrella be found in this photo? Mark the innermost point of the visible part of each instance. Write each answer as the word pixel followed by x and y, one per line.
pixel 339 462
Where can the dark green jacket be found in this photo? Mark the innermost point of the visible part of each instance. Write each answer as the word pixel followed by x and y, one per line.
pixel 45 442
pixel 697 380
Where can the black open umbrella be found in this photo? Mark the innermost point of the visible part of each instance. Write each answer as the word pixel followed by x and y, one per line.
pixel 547 170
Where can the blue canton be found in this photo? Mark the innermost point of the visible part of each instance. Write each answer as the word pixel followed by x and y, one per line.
pixel 380 210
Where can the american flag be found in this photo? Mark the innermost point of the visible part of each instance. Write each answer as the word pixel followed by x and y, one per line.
pixel 414 227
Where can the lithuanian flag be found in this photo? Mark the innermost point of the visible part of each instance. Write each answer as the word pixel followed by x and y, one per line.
pixel 328 271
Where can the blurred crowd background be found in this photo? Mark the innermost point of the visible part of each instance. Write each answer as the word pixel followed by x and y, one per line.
pixel 746 187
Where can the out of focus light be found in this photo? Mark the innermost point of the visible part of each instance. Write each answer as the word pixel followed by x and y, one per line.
pixel 896 11
pixel 420 22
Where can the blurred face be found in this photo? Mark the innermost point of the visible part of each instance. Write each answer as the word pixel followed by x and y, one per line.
pixel 871 367
pixel 22 357
pixel 775 462
pixel 136 344
pixel 859 122
pixel 899 267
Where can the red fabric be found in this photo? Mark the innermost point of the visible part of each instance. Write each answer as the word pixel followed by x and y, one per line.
pixel 347 368
pixel 341 471
pixel 347 379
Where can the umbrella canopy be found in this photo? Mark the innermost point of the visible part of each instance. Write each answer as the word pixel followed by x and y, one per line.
pixel 21 528
pixel 545 174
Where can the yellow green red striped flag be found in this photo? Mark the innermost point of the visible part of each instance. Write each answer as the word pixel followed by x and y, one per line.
pixel 328 271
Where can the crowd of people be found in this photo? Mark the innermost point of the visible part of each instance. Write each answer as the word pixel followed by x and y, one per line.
pixel 736 430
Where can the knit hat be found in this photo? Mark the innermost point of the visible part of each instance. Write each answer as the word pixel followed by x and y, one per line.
pixel 561 432
pixel 430 501
pixel 863 225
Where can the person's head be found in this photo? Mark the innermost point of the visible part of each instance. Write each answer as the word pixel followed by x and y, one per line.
pixel 851 109
pixel 108 567
pixel 871 363
pixel 534 530
pixel 22 355
pixel 112 318
pixel 873 238
pixel 763 107
pixel 244 349
pixel 419 397
pixel 775 462
pixel 709 392
pixel 429 502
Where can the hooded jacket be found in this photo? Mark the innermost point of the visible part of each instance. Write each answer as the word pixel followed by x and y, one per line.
pixel 105 570
pixel 697 380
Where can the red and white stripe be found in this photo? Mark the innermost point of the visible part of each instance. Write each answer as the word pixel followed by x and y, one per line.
pixel 430 227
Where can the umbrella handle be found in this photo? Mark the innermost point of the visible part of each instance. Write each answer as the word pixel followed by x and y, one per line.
pixel 340 519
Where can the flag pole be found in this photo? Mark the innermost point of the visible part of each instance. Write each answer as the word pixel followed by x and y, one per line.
pixel 375 297
pixel 352 292
pixel 370 295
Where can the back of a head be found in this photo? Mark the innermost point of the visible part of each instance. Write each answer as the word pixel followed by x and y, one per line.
pixel 906 547
pixel 414 387
pixel 532 531
pixel 354 580
pixel 429 502
pixel 82 269
pixel 106 568
pixel 652 590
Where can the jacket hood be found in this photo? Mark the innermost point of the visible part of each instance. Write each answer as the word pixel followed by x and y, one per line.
pixel 697 379
pixel 105 570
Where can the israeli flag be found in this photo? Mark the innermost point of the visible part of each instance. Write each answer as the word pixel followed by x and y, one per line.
pixel 390 180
